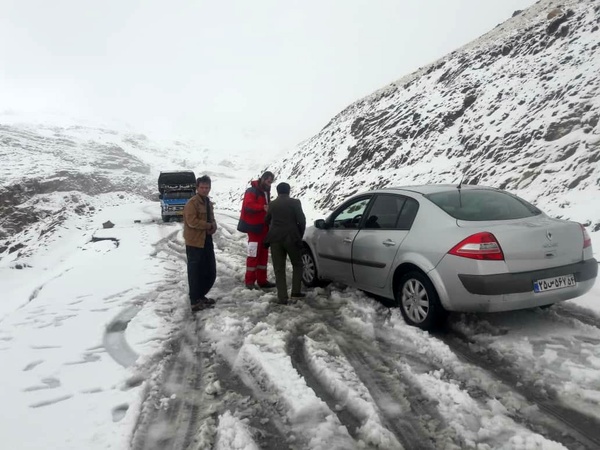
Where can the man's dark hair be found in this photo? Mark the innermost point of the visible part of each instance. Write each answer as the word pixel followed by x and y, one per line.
pixel 266 175
pixel 204 179
pixel 283 188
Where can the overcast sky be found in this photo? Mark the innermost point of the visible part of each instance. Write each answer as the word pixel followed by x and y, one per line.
pixel 241 71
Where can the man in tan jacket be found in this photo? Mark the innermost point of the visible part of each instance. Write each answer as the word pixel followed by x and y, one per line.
pixel 198 227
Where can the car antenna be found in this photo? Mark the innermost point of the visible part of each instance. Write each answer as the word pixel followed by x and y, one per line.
pixel 459 191
pixel 461 182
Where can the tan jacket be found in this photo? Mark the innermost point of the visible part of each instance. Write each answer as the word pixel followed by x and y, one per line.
pixel 198 216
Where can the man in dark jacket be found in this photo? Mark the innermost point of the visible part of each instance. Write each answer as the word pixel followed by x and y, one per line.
pixel 286 227
pixel 198 227
pixel 252 221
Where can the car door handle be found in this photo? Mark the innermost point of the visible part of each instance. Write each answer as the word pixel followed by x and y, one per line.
pixel 388 243
pixel 347 240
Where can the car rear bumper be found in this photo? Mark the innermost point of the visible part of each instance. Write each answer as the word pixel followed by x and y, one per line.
pixel 524 300
pixel 505 292
pixel 514 283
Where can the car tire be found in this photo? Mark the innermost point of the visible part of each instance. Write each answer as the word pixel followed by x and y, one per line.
pixel 310 276
pixel 166 218
pixel 419 302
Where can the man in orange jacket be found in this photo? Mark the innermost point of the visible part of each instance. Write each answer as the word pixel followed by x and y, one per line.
pixel 252 221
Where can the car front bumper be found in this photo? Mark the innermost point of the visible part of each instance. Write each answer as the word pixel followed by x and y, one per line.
pixel 173 213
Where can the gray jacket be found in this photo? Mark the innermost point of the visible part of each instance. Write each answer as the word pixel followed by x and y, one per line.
pixel 286 220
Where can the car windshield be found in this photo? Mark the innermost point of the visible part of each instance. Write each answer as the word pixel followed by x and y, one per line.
pixel 483 204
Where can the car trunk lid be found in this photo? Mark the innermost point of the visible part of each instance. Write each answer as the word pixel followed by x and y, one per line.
pixel 534 243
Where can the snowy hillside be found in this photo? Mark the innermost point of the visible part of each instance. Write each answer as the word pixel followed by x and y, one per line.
pixel 51 173
pixel 517 109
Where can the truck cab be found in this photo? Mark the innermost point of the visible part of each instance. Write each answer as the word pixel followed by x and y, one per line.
pixel 175 188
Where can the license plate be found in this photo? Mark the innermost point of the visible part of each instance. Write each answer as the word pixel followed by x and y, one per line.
pixel 550 284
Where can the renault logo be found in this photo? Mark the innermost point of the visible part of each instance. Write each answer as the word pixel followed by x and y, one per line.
pixel 548 235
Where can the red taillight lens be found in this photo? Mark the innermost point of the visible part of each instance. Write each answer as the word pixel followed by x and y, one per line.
pixel 587 240
pixel 482 246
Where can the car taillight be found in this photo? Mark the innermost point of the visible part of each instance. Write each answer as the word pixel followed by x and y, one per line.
pixel 587 240
pixel 482 246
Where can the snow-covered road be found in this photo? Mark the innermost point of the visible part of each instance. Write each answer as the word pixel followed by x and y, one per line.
pixel 341 370
pixel 102 352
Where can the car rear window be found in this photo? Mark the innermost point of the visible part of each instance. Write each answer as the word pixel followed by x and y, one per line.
pixel 481 205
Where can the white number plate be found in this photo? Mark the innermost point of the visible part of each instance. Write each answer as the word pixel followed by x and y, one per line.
pixel 549 284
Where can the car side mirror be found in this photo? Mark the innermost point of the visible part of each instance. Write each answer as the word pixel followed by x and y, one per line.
pixel 320 224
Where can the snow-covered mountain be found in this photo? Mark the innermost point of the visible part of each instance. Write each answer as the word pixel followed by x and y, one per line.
pixel 51 172
pixel 516 109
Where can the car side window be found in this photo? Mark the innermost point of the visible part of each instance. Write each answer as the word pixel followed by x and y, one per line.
pixel 408 214
pixel 351 214
pixel 385 211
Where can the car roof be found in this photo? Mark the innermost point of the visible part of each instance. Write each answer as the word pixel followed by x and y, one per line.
pixel 432 188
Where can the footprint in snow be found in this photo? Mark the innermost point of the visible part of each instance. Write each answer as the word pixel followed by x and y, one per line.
pixel 119 412
pixel 50 401
pixel 33 364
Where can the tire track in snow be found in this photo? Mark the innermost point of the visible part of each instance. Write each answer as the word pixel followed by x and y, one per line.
pixel 575 313
pixel 114 339
pixel 176 399
pixel 557 423
pixel 169 422
pixel 385 384
pixel 153 401
pixel 296 351
pixel 183 399
pixel 561 424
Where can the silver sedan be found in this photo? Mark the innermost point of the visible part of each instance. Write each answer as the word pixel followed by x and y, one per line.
pixel 439 248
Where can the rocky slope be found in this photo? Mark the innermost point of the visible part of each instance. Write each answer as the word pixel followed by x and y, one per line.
pixel 52 172
pixel 516 109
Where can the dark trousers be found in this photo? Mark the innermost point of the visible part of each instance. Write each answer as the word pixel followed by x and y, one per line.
pixel 279 253
pixel 201 269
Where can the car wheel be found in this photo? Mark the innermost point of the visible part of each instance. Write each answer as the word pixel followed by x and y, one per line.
pixel 310 276
pixel 418 301
pixel 165 218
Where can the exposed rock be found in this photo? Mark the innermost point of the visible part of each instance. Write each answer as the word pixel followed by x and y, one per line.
pixel 115 241
pixel 557 130
pixel 554 12
pixel 556 22
pixel 108 224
